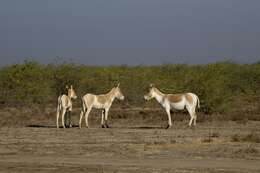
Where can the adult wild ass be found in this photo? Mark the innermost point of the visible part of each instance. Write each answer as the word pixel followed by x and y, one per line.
pixel 103 101
pixel 175 101
pixel 65 106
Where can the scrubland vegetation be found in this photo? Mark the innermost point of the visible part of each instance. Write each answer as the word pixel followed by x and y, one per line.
pixel 137 141
pixel 223 87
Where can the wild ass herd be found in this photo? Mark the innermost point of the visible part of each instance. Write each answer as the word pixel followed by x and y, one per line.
pixel 188 101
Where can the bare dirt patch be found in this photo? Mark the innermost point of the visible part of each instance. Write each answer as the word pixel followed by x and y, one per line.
pixel 135 143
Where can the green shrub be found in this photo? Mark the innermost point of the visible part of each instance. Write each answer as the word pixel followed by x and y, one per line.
pixel 222 87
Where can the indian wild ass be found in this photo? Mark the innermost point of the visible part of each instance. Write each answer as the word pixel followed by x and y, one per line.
pixel 65 106
pixel 175 101
pixel 103 101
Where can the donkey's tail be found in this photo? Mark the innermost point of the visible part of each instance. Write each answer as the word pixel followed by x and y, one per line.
pixel 198 102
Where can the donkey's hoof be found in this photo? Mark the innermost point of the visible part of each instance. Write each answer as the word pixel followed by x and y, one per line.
pixel 107 126
pixel 103 126
pixel 192 127
pixel 168 126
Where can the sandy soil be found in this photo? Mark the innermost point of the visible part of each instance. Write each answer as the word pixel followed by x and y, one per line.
pixel 131 145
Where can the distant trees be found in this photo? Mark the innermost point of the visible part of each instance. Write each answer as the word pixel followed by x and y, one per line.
pixel 222 87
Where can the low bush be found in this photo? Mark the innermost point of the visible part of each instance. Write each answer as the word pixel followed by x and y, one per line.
pixel 223 87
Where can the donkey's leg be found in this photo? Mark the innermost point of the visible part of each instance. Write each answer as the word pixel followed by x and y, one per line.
pixel 62 117
pixel 69 117
pixel 194 112
pixel 195 118
pixel 66 118
pixel 106 117
pixel 57 117
pixel 191 119
pixel 194 115
pixel 81 116
pixel 168 111
pixel 102 118
pixel 86 116
pixel 191 115
pixel 82 113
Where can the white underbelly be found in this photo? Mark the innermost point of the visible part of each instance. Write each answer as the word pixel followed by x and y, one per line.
pixel 178 105
pixel 99 106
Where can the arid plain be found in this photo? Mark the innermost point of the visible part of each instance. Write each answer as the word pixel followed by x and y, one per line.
pixel 136 142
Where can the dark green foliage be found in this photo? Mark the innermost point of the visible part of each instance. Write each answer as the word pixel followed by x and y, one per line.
pixel 64 75
pixel 25 83
pixel 222 87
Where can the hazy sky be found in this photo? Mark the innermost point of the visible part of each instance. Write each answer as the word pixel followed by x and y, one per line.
pixel 133 32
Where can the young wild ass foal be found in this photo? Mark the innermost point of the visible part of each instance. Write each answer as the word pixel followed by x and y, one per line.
pixel 175 101
pixel 65 106
pixel 103 101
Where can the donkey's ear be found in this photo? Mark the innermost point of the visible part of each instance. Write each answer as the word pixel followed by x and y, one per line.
pixel 71 86
pixel 151 85
pixel 118 84
pixel 67 87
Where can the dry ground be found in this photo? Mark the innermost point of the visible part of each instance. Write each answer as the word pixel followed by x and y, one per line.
pixel 137 142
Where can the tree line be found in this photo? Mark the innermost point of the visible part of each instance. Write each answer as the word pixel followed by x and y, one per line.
pixel 222 87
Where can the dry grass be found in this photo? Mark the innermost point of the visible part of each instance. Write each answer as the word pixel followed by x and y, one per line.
pixel 249 150
pixel 210 137
pixel 207 140
pixel 252 137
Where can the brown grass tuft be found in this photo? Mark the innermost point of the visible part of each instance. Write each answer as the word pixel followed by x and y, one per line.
pixel 252 137
pixel 251 150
